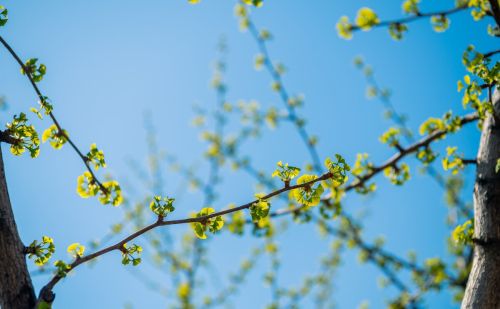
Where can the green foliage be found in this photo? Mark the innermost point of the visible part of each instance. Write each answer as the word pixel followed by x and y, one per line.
pixel 497 166
pixel 45 106
pixel 452 123
pixel 440 23
pixel 453 161
pixel 296 101
pixel 57 138
pixel 44 305
pixel 260 209
pixel 61 268
pixel 241 12
pixel 481 8
pixel 184 291
pixel 436 268
pixel 333 208
pixel 76 250
pixel 4 17
pixel 276 86
pixel 398 175
pixel 112 193
pixel 396 30
pixel 463 233
pixel 362 167
pixel 35 71
pixel 286 172
pixel 213 224
pixel 41 251
pixel 410 7
pixel 256 3
pixel 96 157
pixel 25 135
pixel 432 275
pixel 86 185
pixel 271 117
pixel 476 63
pixel 130 254
pixel 263 227
pixel 472 93
pixel 431 125
pixel 338 169
pixel 310 195
pixel 391 137
pixel 265 35
pixel 237 223
pixel 344 28
pixel 260 59
pixel 366 19
pixel 162 206
pixel 493 30
pixel 426 155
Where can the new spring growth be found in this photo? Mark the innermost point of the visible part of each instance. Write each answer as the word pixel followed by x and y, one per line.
pixel 286 172
pixel 162 206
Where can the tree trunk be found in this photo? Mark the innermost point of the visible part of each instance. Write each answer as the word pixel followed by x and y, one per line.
pixel 16 290
pixel 483 286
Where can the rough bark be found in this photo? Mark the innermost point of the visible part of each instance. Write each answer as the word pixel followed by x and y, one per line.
pixel 483 286
pixel 16 290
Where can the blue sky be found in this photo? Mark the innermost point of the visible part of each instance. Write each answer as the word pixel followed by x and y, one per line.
pixel 110 61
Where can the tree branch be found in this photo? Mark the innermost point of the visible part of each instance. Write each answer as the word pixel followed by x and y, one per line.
pixel 495 11
pixel 42 99
pixel 408 150
pixel 46 293
pixel 6 138
pixel 413 18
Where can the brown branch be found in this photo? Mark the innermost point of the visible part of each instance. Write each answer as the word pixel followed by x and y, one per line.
pixel 42 99
pixel 390 162
pixel 415 17
pixel 7 138
pixel 408 150
pixel 495 11
pixel 401 122
pixel 469 161
pixel 46 293
pixel 491 53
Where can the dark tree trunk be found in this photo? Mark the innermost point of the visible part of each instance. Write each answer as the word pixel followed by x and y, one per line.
pixel 16 290
pixel 483 286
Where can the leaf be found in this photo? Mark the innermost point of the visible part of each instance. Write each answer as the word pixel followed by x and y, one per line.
pixel 57 138
pixel 344 28
pixel 86 185
pixel 366 19
pixel 76 250
pixel 309 195
pixel 213 224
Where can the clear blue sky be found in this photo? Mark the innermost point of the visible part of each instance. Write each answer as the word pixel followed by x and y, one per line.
pixel 110 61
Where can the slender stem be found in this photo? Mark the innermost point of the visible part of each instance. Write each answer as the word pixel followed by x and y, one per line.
pixel 415 17
pixel 42 99
pixel 408 150
pixel 46 293
pixel 401 122
pixel 491 53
